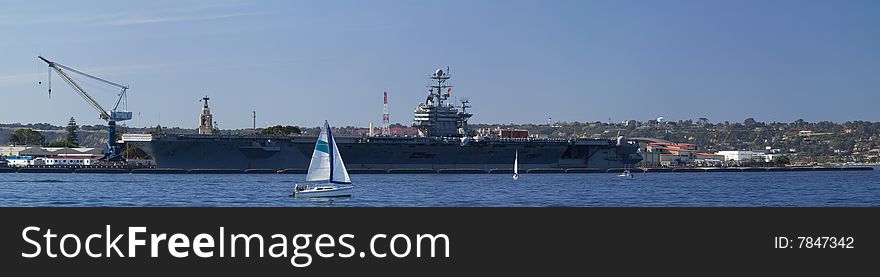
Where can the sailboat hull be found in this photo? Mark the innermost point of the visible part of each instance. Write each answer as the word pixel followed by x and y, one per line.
pixel 326 191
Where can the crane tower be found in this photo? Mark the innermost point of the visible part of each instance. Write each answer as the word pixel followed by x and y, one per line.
pixel 114 149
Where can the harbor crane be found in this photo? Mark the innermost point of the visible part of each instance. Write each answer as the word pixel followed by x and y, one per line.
pixel 113 152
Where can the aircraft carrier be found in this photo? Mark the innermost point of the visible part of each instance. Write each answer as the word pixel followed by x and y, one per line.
pixel 445 142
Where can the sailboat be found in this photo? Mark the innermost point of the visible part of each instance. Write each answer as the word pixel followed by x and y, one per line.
pixel 326 166
pixel 516 165
pixel 625 174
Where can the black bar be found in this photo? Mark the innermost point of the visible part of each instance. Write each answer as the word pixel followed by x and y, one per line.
pixel 492 241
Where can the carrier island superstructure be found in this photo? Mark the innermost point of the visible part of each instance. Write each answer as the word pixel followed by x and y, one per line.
pixel 445 142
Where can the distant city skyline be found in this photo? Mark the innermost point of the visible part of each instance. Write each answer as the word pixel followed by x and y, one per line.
pixel 299 63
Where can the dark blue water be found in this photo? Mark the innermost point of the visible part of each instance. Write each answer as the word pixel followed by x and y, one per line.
pixel 855 188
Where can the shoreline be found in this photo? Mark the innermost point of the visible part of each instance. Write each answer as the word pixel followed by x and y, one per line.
pixel 149 170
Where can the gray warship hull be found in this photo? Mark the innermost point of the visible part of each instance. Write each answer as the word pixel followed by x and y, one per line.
pixel 445 141
pixel 238 152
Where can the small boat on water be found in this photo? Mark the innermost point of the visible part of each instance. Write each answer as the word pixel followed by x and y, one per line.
pixel 322 191
pixel 626 174
pixel 516 165
pixel 327 168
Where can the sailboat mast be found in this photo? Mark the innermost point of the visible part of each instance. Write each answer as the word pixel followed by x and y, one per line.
pixel 330 144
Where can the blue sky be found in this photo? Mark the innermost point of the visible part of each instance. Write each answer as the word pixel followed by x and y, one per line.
pixel 517 61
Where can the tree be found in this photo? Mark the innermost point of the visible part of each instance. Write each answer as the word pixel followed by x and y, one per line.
pixel 781 160
pixel 27 136
pixel 279 130
pixel 750 122
pixel 60 143
pixel 71 140
pixel 157 130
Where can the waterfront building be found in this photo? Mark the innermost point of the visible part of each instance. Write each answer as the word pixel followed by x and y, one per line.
pixel 709 159
pixel 739 156
pixel 19 161
pixel 67 161
pixel 658 152
pixel 39 151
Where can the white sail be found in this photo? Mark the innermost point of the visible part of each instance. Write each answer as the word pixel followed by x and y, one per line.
pixel 326 164
pixel 516 163
pixel 319 167
pixel 337 168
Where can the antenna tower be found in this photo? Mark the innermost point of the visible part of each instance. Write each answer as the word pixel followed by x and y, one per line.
pixel 386 118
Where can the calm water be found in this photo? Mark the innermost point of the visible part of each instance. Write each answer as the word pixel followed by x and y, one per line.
pixel 857 188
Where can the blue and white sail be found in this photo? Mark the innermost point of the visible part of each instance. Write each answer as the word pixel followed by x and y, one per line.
pixel 326 164
pixel 516 165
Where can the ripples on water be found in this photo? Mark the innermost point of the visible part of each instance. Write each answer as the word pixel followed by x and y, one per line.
pixel 857 188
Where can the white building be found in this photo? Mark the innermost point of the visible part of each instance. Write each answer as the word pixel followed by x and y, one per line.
pixel 39 151
pixel 23 161
pixel 19 161
pixel 709 159
pixel 68 161
pixel 739 156
pixel 769 157
pixel 20 156
pixel 746 156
